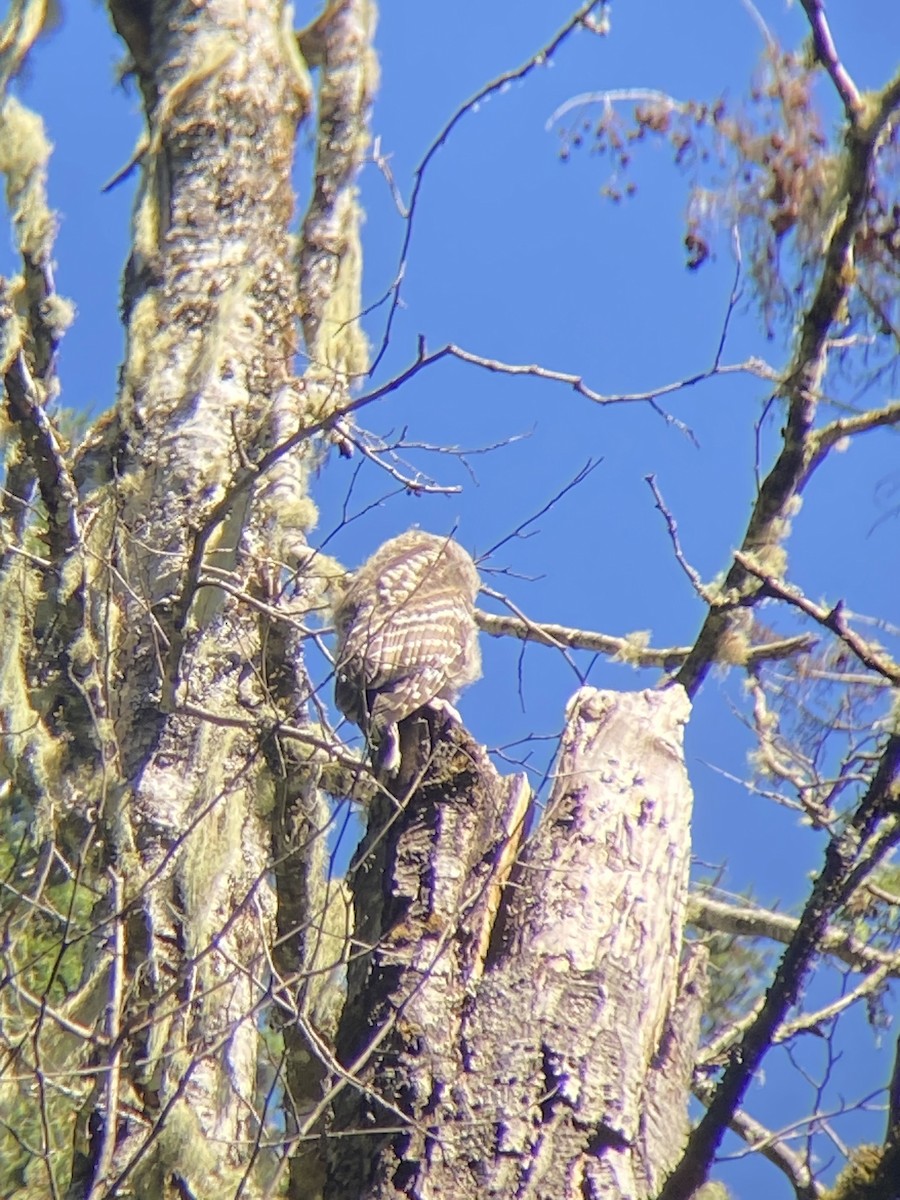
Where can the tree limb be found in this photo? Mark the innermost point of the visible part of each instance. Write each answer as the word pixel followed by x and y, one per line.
pixel 623 649
pixel 715 916
pixel 832 619
pixel 845 857
pixel 801 452
pixel 828 57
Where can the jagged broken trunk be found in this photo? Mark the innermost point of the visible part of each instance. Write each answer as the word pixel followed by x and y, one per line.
pixel 522 1011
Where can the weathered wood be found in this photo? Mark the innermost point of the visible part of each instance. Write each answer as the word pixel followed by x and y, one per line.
pixel 559 1064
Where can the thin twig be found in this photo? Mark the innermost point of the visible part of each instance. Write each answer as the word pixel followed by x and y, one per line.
pixel 500 84
pixel 415 486
pixel 590 466
pixel 672 525
pixel 833 619
pixel 771 1146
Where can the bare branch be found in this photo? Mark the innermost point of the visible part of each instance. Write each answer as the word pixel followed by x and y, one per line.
pixel 771 1145
pixel 815 1021
pixel 500 84
pixel 623 649
pixel 833 619
pixel 876 418
pixel 828 57
pixel 715 916
pixel 559 636
pixel 750 366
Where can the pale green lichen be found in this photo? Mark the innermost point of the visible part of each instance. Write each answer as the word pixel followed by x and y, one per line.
pixel 856 1180
pixel 772 558
pixel 634 644
pixel 184 1151
pixel 213 849
pixel 342 345
pixel 298 71
pixel 25 21
pixel 735 644
pixel 24 154
pixel 12 327
pixel 325 577
pixel 27 746
pixel 712 1191
pixel 213 53
pixel 146 227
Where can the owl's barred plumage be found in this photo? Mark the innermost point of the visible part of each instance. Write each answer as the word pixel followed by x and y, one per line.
pixel 406 636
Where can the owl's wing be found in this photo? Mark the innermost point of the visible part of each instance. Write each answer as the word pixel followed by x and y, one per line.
pixel 406 635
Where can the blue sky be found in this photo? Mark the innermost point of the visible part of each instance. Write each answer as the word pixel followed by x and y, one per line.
pixel 516 256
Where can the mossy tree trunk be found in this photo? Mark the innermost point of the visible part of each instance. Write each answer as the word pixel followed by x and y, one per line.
pixel 155 647
pixel 210 300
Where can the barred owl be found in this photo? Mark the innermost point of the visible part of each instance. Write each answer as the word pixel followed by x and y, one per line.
pixel 406 637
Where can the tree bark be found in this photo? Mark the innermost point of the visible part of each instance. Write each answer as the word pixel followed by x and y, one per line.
pixel 176 678
pixel 522 1019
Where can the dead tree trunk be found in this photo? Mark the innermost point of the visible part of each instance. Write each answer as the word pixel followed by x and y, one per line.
pixel 522 1011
